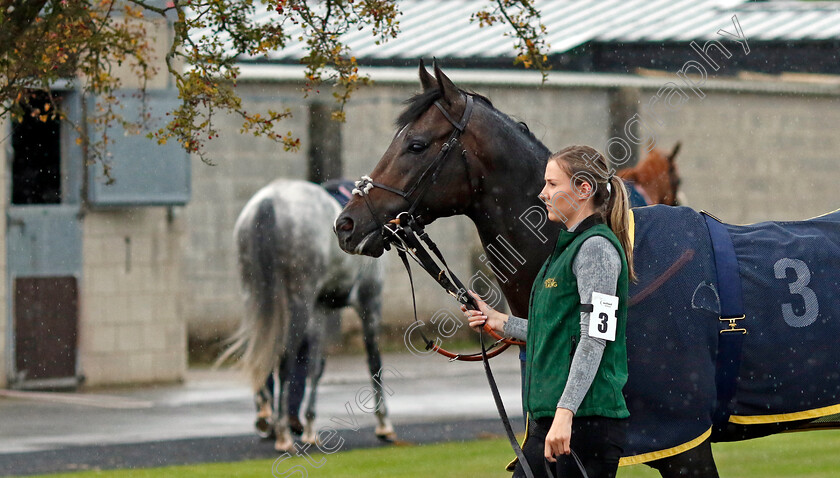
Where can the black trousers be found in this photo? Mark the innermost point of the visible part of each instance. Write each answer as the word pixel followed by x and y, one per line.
pixel 297 380
pixel 597 441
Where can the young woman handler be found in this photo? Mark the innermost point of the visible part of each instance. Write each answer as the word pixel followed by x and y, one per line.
pixel 575 333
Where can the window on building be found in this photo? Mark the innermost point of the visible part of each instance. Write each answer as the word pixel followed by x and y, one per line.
pixel 36 164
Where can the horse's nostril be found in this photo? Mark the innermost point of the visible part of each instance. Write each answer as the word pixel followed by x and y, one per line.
pixel 344 224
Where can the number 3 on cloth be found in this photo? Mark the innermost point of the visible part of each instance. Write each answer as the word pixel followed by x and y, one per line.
pixel 602 320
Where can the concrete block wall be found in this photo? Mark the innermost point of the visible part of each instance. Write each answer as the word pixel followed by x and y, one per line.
pixel 246 164
pixel 4 297
pixel 132 328
pixel 557 116
pixel 158 34
pixel 243 165
pixel 751 157
pixel 749 154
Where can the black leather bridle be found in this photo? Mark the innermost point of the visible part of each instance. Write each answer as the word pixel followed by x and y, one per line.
pixel 409 238
pixel 427 178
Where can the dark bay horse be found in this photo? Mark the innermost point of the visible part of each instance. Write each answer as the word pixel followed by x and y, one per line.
pixel 493 175
pixel 294 277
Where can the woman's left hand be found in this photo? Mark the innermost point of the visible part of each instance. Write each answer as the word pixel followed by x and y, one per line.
pixel 495 319
pixel 559 437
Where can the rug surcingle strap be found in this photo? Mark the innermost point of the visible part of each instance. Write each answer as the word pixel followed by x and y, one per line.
pixel 731 338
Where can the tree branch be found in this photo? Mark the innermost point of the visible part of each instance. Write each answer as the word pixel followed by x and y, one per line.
pixel 17 16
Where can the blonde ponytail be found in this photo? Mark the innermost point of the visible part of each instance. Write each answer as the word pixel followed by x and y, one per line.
pixel 617 216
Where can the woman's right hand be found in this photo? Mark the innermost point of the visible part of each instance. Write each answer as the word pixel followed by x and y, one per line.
pixel 495 319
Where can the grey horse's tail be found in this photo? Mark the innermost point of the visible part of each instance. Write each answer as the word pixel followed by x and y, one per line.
pixel 259 337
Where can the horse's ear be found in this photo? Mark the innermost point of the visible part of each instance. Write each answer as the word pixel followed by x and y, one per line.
pixel 628 174
pixel 448 90
pixel 676 150
pixel 427 80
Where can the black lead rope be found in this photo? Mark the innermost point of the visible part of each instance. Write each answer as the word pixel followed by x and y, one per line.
pixel 401 253
pixel 497 397
pixel 406 232
pixel 447 279
pixel 557 474
pixel 422 258
pixel 407 235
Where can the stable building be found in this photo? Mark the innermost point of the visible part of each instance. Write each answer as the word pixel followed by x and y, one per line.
pixel 91 269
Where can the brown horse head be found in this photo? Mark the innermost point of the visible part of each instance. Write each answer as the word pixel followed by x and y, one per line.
pixel 434 166
pixel 656 176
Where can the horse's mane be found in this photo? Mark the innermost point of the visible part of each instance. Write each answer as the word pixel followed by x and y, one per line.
pixel 419 103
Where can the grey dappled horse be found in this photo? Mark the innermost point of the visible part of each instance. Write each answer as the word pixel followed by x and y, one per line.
pixel 294 277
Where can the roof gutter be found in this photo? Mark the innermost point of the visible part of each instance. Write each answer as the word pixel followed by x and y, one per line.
pixel 278 73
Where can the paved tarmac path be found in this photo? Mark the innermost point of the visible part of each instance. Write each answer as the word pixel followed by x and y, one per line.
pixel 209 417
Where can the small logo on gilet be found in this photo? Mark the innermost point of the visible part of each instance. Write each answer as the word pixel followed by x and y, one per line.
pixel 550 283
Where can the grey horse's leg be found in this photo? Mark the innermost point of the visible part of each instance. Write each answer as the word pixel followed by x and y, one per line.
pixel 282 438
pixel 317 336
pixel 369 308
pixel 299 312
pixel 696 462
pixel 264 401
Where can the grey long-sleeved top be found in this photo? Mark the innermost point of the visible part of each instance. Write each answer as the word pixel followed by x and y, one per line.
pixel 596 267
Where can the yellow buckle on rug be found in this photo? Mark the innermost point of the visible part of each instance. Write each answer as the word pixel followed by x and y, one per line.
pixel 733 325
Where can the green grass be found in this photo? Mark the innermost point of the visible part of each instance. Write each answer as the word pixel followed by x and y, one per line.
pixel 807 454
pixel 477 458
pixel 812 455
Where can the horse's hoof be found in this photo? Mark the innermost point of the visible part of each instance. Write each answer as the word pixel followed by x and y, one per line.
pixel 388 437
pixel 265 429
pixel 385 431
pixel 309 438
pixel 295 425
pixel 286 446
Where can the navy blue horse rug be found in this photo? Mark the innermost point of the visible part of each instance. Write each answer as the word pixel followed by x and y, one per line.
pixel 686 378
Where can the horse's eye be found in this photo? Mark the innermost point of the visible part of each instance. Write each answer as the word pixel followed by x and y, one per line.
pixel 417 147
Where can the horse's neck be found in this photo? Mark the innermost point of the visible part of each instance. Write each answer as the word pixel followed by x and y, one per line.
pixel 650 177
pixel 515 248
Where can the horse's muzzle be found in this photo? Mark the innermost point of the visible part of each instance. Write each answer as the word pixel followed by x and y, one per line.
pixel 352 241
pixel 344 227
